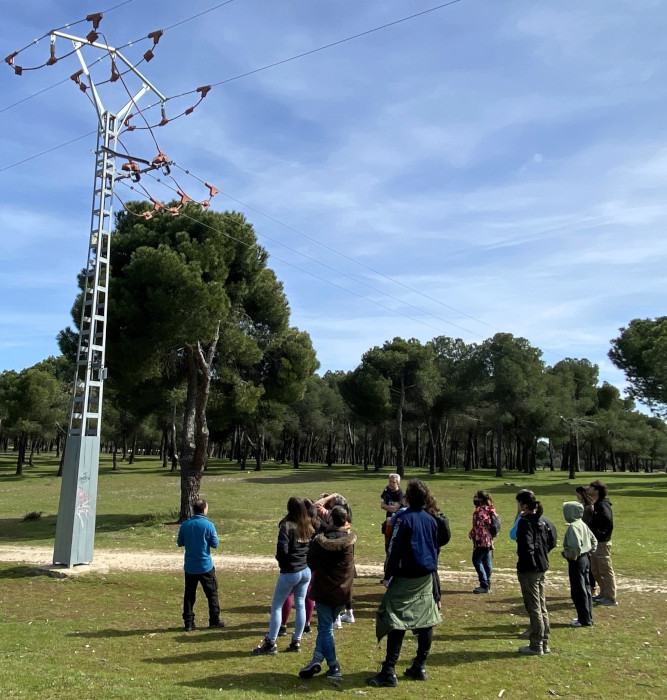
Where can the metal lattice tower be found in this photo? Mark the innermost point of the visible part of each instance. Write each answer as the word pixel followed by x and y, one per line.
pixel 75 528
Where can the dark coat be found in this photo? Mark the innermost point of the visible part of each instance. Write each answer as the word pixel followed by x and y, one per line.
pixel 602 524
pixel 290 553
pixel 331 559
pixel 414 545
pixel 535 538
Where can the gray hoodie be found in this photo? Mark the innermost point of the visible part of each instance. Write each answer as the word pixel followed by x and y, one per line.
pixel 578 538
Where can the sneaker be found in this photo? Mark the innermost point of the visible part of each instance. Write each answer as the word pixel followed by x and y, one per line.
pixel 529 651
pixel 306 629
pixel 334 673
pixel 525 634
pixel 606 602
pixel 347 616
pixel 219 625
pixel 597 597
pixel 311 669
pixel 416 672
pixel 385 679
pixel 294 645
pixel 338 624
pixel 189 627
pixel 546 649
pixel 267 648
pixel 282 631
pixel 575 623
pixel 481 589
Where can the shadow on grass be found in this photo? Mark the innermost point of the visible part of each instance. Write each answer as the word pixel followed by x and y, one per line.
pixel 19 530
pixel 642 485
pixel 18 572
pixel 282 683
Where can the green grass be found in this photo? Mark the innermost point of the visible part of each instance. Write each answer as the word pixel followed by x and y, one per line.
pixel 120 635
pixel 138 505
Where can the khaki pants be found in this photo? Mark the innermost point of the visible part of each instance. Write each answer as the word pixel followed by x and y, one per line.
pixel 603 571
pixel 534 598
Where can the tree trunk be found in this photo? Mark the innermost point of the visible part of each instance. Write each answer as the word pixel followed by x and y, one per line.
pixel 499 449
pixel 329 457
pixel 31 459
pixel 134 449
pixel 400 442
pixel 21 454
pixel 194 446
pixel 114 458
pixel 296 452
pixel 259 450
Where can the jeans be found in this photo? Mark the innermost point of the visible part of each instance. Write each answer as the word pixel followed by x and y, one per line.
pixel 289 602
pixel 481 560
pixel 325 647
pixel 578 570
pixel 210 585
pixel 296 583
pixel 534 598
pixel 603 571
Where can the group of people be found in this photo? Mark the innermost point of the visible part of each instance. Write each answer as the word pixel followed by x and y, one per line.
pixel 586 546
pixel 315 554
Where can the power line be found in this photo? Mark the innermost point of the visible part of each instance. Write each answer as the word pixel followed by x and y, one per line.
pixel 327 46
pixel 300 269
pixel 129 43
pixel 48 150
pixel 341 272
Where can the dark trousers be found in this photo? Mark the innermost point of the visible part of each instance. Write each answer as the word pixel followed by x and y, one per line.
pixel 395 642
pixel 578 571
pixel 210 585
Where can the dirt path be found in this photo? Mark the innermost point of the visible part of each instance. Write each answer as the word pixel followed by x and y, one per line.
pixel 124 560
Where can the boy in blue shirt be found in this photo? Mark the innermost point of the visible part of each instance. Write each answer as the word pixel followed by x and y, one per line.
pixel 198 535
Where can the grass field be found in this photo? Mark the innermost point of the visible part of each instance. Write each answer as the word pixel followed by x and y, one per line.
pixel 120 635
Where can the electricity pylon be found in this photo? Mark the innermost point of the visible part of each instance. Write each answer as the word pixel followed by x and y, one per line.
pixel 75 528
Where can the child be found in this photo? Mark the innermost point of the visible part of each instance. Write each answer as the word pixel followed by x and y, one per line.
pixel 198 535
pixel 482 540
pixel 578 543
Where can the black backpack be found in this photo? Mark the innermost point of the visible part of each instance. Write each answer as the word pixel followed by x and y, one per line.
pixel 444 531
pixel 494 525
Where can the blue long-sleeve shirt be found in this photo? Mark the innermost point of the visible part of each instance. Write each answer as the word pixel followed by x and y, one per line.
pixel 197 535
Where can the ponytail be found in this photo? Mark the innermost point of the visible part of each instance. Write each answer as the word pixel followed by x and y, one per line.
pixel 527 498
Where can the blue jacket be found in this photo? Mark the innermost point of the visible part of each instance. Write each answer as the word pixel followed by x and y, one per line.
pixel 413 551
pixel 197 535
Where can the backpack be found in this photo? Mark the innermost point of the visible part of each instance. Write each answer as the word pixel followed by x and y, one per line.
pixel 494 525
pixel 444 531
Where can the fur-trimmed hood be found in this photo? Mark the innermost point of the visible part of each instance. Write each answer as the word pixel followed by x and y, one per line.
pixel 336 540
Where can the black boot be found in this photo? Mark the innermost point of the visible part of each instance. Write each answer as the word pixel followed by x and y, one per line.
pixel 417 671
pixel 385 679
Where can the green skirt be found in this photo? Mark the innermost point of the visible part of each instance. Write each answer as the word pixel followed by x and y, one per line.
pixel 408 604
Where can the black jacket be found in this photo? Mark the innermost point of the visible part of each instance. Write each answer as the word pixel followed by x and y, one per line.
pixel 535 538
pixel 602 524
pixel 290 553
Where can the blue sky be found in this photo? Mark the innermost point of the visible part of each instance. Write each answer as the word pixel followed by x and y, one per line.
pixel 488 166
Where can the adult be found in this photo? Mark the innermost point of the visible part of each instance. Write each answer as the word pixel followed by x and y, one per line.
pixel 198 535
pixel 331 558
pixel 587 502
pixel 535 538
pixel 578 543
pixel 390 502
pixel 602 525
pixel 294 535
pixel 482 540
pixel 408 603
